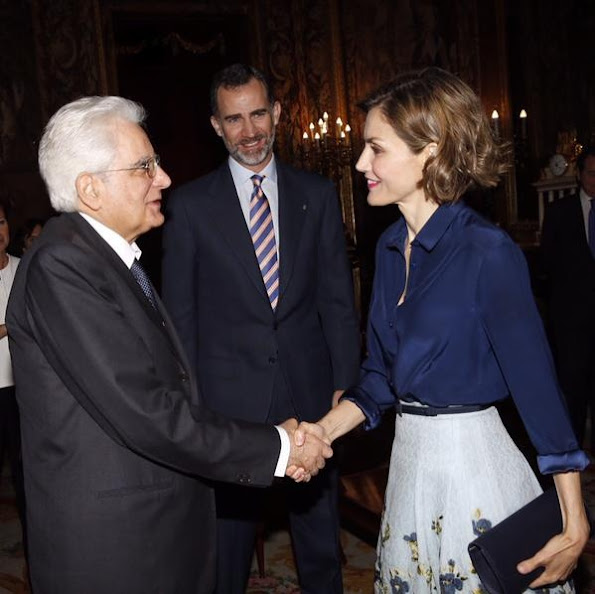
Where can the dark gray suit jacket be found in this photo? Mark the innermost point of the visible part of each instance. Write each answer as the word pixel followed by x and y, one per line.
pixel 569 266
pixel 114 431
pixel 213 289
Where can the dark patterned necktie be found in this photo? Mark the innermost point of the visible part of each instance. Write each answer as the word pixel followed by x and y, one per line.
pixel 592 227
pixel 138 272
pixel 263 238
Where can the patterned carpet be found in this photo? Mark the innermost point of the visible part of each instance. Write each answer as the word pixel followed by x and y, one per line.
pixel 280 570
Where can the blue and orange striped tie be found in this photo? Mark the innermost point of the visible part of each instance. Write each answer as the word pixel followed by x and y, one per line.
pixel 263 238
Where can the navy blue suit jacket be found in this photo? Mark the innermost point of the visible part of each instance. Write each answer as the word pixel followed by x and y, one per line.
pixel 213 288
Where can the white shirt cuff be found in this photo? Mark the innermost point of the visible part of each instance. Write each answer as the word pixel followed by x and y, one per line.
pixel 284 453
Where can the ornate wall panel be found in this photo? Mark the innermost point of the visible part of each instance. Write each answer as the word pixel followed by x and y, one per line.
pixel 296 51
pixel 69 49
pixel 553 74
pixel 19 107
pixel 20 119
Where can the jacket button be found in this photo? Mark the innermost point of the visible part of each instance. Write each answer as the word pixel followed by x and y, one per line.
pixel 272 360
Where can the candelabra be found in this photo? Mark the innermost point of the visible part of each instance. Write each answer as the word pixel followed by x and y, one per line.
pixel 327 153
pixel 330 154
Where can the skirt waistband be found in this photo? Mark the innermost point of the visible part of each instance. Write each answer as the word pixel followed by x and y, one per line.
pixel 433 411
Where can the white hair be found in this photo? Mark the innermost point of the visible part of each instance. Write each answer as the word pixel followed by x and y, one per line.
pixel 79 138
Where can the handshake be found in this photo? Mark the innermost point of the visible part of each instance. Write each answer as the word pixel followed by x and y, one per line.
pixel 310 447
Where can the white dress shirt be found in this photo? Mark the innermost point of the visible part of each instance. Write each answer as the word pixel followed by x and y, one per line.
pixel 6 277
pixel 586 206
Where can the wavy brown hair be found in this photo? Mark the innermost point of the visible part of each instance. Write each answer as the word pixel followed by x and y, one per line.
pixel 433 105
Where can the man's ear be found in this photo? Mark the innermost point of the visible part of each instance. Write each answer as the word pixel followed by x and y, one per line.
pixel 88 190
pixel 216 125
pixel 276 112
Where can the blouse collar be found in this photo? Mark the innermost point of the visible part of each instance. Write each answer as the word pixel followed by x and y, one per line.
pixel 431 233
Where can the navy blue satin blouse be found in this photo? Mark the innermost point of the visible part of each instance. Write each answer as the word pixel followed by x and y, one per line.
pixel 468 331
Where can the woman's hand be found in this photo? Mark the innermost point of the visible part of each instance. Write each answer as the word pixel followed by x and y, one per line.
pixel 561 553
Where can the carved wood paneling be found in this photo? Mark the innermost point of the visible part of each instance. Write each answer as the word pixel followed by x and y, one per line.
pixel 70 53
pixel 20 120
pixel 19 105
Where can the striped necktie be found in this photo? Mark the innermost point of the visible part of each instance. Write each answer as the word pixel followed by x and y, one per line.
pixel 263 238
pixel 138 272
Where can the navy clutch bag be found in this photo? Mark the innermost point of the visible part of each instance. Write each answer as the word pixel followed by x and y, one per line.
pixel 496 553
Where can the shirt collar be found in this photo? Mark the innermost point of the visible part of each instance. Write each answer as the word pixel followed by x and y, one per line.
pixel 586 199
pixel 242 174
pixel 127 252
pixel 431 233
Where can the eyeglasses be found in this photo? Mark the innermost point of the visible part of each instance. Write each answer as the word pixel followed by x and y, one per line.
pixel 150 166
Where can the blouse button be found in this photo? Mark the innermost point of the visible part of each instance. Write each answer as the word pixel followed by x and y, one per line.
pixel 390 324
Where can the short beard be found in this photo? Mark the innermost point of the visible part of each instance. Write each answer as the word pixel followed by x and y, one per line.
pixel 251 159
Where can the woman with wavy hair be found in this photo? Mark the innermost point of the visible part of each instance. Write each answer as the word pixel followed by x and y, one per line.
pixel 453 328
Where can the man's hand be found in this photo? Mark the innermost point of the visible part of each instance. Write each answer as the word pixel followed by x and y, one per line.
pixel 309 449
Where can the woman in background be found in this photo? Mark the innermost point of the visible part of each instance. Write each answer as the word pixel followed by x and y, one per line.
pixel 10 435
pixel 453 328
pixel 26 235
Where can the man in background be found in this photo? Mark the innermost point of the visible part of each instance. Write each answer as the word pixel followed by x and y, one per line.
pixel 256 277
pixel 568 249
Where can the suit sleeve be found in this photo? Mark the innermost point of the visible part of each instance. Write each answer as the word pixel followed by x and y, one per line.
pixel 122 380
pixel 178 276
pixel 335 295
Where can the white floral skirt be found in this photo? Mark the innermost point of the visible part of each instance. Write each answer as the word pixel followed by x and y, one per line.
pixel 451 478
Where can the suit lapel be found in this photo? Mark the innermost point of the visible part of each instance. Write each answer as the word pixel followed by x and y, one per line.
pixel 116 263
pixel 226 213
pixel 293 208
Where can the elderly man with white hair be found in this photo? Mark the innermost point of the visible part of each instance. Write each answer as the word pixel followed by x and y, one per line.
pixel 115 436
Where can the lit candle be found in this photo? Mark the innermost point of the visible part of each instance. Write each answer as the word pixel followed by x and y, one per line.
pixel 316 136
pixel 496 122
pixel 305 136
pixel 311 126
pixel 339 123
pixel 347 131
pixel 325 116
pixel 523 118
